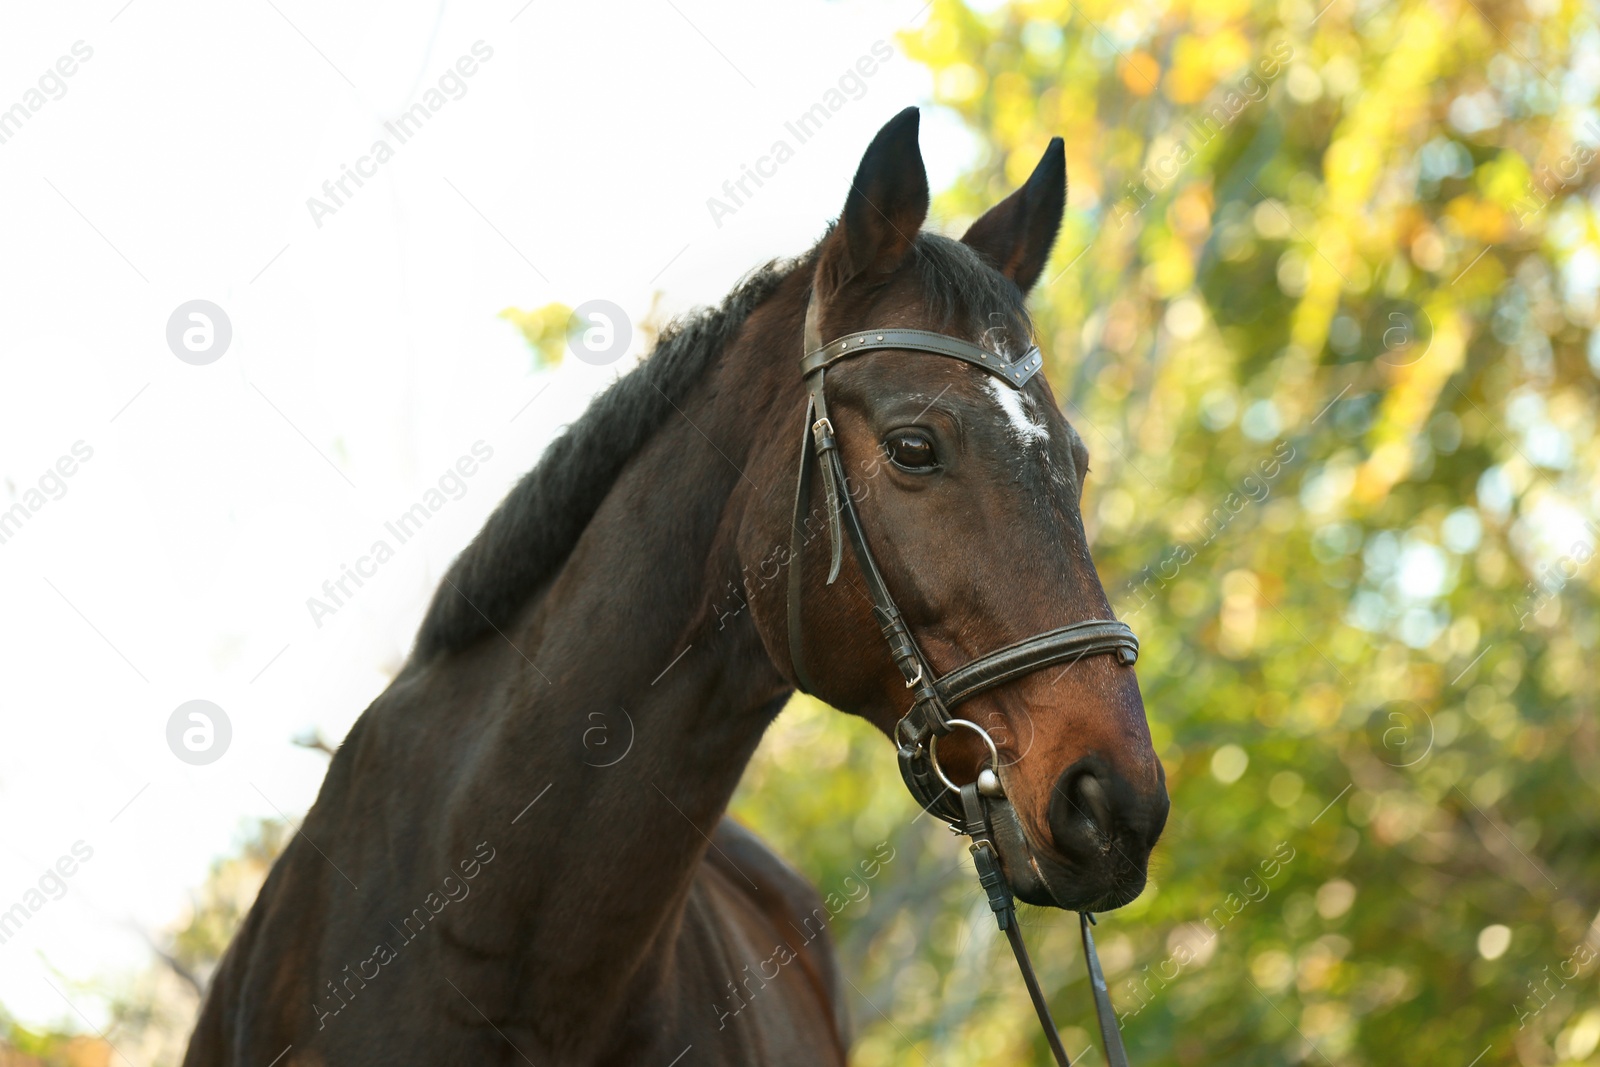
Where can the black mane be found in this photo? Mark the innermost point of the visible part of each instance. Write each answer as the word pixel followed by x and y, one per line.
pixel 530 535
pixel 959 287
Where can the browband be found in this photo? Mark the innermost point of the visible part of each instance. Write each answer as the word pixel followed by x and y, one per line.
pixel 1014 373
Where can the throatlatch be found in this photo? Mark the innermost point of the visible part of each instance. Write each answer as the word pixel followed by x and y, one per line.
pixel 969 809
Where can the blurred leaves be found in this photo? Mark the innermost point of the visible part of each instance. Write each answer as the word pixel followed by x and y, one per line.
pixel 545 330
pixel 1323 309
pixel 152 1012
pixel 220 905
pixel 22 1047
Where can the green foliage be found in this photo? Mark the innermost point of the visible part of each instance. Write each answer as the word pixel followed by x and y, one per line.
pixel 222 902
pixel 1323 310
pixel 545 330
pixel 24 1047
pixel 1333 355
pixel 153 1011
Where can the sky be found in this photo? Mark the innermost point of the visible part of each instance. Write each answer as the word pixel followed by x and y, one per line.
pixel 184 500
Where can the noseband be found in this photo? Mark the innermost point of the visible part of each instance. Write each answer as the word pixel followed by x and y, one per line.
pixel 979 809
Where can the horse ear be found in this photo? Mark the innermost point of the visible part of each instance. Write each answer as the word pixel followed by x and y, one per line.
pixel 887 205
pixel 1017 233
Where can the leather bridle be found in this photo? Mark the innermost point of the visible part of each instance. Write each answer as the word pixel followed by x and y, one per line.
pixel 979 809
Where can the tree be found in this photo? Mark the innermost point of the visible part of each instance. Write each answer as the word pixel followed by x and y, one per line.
pixel 1323 310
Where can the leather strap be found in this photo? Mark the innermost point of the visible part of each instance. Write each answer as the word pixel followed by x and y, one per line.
pixel 799 536
pixel 1110 1029
pixel 975 810
pixel 841 518
pixel 1060 645
pixel 993 880
pixel 1014 373
pixel 931 699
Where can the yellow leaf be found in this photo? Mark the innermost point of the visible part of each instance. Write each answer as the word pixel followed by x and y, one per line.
pixel 1139 72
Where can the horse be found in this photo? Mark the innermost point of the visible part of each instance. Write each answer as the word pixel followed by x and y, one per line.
pixel 473 886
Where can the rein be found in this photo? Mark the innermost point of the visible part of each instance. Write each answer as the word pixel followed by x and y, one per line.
pixel 979 809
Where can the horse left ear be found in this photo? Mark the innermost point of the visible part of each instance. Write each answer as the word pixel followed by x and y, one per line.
pixel 887 205
pixel 1017 233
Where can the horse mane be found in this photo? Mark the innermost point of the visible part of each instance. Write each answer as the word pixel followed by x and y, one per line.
pixel 532 532
pixel 960 287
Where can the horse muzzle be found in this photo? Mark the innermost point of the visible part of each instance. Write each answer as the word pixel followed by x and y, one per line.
pixel 1085 867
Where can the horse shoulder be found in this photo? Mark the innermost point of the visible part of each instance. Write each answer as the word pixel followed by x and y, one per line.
pixel 792 911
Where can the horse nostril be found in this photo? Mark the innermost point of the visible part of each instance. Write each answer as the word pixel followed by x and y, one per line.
pixel 1079 813
pixel 1092 807
pixel 1092 801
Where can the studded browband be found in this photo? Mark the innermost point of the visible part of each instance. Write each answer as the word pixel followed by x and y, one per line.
pixel 1015 374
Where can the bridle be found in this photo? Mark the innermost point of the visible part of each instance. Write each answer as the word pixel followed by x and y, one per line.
pixel 980 809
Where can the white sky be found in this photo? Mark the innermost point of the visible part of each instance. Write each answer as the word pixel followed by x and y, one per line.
pixel 366 358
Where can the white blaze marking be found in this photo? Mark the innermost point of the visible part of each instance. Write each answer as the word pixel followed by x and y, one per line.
pixel 1023 429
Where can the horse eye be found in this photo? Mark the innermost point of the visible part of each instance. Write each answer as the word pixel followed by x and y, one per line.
pixel 911 450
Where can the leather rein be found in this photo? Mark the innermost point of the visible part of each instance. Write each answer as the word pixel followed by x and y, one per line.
pixel 978 809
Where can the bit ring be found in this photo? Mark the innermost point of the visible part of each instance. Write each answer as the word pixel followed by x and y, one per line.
pixel 933 751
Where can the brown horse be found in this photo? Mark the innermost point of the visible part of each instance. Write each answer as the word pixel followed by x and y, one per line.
pixel 473 886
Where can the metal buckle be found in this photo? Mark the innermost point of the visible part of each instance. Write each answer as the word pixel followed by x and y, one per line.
pixel 816 427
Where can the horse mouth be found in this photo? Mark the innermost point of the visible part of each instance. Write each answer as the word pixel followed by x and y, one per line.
pixel 1039 876
pixel 1066 886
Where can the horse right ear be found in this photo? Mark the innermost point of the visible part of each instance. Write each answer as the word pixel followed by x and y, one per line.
pixel 1016 234
pixel 887 205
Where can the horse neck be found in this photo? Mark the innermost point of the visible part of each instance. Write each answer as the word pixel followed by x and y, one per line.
pixel 635 693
